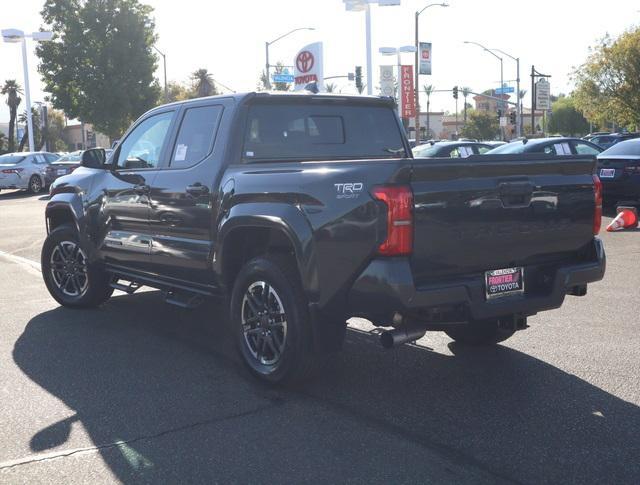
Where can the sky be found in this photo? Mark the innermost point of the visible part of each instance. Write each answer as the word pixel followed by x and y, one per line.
pixel 228 38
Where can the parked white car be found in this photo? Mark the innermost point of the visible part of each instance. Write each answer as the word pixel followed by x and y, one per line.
pixel 25 170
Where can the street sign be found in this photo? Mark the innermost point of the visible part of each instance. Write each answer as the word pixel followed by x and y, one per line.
pixel 282 78
pixel 505 90
pixel 407 92
pixel 386 81
pixel 504 121
pixel 425 58
pixel 543 94
pixel 308 67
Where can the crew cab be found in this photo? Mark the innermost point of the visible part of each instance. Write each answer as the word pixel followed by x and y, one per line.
pixel 305 210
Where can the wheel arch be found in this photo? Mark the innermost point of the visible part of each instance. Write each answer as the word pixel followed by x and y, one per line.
pixel 63 209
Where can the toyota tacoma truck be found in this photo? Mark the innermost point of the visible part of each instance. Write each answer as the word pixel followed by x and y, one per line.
pixel 305 210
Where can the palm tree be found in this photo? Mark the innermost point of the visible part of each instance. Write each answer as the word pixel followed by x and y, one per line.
pixel 465 92
pixel 428 89
pixel 203 83
pixel 35 121
pixel 330 87
pixel 2 139
pixel 11 89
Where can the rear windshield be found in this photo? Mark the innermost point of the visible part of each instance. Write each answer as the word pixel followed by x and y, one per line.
pixel 308 131
pixel 71 157
pixel 13 159
pixel 629 147
pixel 513 147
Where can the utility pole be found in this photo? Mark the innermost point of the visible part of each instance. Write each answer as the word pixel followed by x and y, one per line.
pixel 164 64
pixel 535 74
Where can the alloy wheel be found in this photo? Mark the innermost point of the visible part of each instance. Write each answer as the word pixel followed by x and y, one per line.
pixel 68 266
pixel 36 185
pixel 264 323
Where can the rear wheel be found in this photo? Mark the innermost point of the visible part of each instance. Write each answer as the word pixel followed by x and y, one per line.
pixel 271 321
pixel 480 332
pixel 69 276
pixel 35 184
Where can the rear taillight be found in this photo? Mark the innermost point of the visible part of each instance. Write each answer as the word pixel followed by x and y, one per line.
pixel 12 170
pixel 597 213
pixel 399 201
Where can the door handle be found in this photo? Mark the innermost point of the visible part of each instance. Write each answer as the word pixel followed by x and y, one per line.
pixel 141 189
pixel 197 189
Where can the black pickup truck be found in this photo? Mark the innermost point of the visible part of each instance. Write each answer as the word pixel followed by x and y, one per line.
pixel 305 210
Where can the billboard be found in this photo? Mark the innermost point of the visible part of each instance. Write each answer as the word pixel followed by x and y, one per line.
pixel 407 93
pixel 425 58
pixel 308 66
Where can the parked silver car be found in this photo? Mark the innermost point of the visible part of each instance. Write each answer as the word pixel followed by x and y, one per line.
pixel 25 170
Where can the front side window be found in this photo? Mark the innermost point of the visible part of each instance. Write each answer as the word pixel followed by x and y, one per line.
pixel 196 135
pixel 142 148
pixel 315 131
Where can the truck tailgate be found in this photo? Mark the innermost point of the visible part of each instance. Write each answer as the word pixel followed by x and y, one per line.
pixel 492 212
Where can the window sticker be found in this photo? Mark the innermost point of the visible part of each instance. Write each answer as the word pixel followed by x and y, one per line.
pixel 181 153
pixel 249 154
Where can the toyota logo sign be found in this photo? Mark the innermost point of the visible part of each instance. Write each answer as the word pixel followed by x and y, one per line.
pixel 304 61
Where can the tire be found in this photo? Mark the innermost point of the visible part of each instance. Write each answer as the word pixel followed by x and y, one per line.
pixel 480 332
pixel 71 279
pixel 267 292
pixel 35 185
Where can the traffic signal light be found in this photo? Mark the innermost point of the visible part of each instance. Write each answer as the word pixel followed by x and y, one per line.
pixel 359 85
pixel 455 92
pixel 499 113
pixel 512 117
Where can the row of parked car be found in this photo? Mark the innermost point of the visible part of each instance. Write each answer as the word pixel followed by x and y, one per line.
pixel 35 171
pixel 618 166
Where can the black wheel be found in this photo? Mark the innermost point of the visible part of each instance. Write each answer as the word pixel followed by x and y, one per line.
pixel 35 184
pixel 69 276
pixel 480 332
pixel 271 321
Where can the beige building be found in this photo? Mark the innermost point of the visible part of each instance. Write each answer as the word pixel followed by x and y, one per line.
pixel 82 136
pixel 435 125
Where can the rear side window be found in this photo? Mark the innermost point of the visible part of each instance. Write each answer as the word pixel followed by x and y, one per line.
pixel 309 131
pixel 585 149
pixel 196 136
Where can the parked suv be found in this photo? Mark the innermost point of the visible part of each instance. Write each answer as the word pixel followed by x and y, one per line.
pixel 25 170
pixel 305 210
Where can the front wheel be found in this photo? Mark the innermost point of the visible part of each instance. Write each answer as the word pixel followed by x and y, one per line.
pixel 480 332
pixel 69 276
pixel 271 321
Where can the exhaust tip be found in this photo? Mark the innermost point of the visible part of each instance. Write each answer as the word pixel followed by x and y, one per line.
pixel 386 340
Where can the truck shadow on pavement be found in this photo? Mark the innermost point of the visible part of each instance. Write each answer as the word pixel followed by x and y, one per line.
pixel 163 397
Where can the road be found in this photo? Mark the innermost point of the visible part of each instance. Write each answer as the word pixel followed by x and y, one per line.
pixel 139 391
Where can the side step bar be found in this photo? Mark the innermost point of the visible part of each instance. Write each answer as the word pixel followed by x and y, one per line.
pixel 130 289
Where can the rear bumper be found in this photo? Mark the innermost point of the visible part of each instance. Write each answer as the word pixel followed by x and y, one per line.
pixel 386 286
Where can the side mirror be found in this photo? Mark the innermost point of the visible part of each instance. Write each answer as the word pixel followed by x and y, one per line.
pixel 94 158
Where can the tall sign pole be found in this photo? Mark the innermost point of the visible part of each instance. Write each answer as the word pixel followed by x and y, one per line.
pixel 369 56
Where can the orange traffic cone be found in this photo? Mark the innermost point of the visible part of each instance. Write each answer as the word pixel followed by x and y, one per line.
pixel 630 216
pixel 627 218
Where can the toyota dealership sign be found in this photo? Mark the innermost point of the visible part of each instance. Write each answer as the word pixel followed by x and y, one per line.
pixel 307 66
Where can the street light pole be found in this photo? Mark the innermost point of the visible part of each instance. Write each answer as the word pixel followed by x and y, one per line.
pixel 369 57
pixel 164 64
pixel 267 83
pixel 518 104
pixel 14 36
pixel 417 69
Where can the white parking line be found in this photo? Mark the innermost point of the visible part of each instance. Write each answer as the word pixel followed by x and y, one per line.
pixel 31 266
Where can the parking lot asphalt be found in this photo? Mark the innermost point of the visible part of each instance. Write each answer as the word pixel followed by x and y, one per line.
pixel 139 391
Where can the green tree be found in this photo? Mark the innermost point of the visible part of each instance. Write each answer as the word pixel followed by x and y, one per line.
pixel 465 92
pixel 203 84
pixel 608 83
pixel 481 126
pixel 566 119
pixel 53 134
pixel 99 67
pixel 428 90
pixel 35 121
pixel 177 91
pixel 11 89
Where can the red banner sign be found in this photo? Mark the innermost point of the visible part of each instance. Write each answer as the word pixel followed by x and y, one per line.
pixel 407 92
